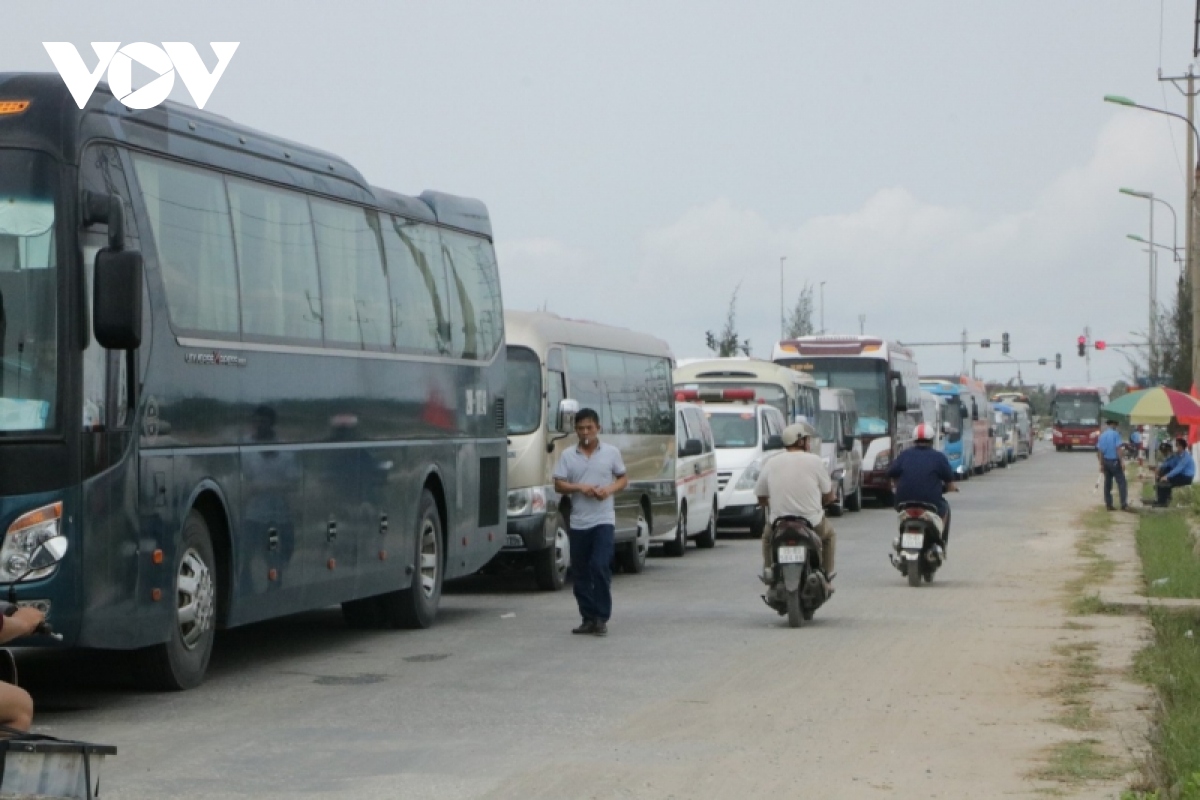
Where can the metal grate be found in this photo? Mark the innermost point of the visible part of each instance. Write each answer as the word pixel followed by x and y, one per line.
pixel 501 422
pixel 723 480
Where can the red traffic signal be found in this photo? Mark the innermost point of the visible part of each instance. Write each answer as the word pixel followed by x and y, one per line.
pixel 1083 340
pixel 1100 344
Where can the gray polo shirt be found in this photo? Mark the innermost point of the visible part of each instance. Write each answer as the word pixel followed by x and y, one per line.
pixel 601 468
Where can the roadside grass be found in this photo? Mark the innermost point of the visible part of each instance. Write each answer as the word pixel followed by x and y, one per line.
pixel 1169 565
pixel 1078 762
pixel 1097 568
pixel 1078 681
pixel 1170 666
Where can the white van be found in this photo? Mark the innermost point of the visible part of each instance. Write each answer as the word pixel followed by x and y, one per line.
pixel 695 483
pixel 841 447
pixel 744 433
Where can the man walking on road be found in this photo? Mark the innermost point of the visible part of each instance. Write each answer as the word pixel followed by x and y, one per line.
pixel 591 473
pixel 1108 450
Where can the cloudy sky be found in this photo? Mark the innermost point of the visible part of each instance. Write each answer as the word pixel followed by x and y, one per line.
pixel 938 164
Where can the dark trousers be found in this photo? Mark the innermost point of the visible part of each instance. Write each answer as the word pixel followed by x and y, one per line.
pixel 591 571
pixel 1115 469
pixel 1164 492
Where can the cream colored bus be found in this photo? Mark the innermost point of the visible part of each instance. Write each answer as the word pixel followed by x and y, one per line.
pixel 794 393
pixel 557 366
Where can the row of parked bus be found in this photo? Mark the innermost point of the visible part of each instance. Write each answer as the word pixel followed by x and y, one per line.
pixel 239 382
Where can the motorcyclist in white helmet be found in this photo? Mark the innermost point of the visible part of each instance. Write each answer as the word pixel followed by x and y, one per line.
pixel 796 483
pixel 922 475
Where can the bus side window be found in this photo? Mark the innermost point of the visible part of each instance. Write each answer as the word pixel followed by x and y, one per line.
pixel 420 310
pixel 476 316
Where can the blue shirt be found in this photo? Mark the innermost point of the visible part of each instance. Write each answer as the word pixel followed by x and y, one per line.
pixel 601 468
pixel 1109 445
pixel 1185 467
pixel 1168 464
pixel 1135 438
pixel 921 474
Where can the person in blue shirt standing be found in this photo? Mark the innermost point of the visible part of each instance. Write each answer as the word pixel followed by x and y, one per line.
pixel 1181 473
pixel 1108 450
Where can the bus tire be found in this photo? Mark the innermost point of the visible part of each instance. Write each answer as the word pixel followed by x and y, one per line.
pixel 181 661
pixel 854 501
pixel 632 555
pixel 417 606
pixel 550 566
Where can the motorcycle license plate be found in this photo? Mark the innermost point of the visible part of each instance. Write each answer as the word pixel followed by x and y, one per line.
pixel 791 555
pixel 912 541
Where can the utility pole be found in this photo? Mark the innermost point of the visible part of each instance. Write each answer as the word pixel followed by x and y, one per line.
pixel 822 308
pixel 862 318
pixel 1191 234
pixel 1087 332
pixel 964 361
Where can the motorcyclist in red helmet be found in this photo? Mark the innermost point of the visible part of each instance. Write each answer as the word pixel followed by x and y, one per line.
pixel 922 474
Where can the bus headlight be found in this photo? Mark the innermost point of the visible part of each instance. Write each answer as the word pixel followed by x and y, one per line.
pixel 883 460
pixel 523 502
pixel 23 537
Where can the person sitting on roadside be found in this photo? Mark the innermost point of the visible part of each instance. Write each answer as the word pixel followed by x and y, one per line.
pixel 1167 460
pixel 16 706
pixel 1181 473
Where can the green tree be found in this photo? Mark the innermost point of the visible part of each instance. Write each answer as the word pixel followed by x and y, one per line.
pixel 800 320
pixel 728 343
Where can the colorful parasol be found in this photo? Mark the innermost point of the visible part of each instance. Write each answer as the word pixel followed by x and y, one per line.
pixel 1157 406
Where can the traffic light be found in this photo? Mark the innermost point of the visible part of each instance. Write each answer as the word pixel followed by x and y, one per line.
pixel 1004 343
pixel 1058 360
pixel 1100 345
pixel 1041 362
pixel 985 342
pixel 1082 346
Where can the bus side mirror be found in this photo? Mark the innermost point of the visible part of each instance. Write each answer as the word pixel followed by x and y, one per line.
pixel 847 442
pixel 567 409
pixel 901 398
pixel 117 299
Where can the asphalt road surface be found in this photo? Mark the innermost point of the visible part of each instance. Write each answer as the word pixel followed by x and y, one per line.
pixel 699 690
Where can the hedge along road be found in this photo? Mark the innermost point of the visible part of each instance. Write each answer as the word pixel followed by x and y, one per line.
pixel 699 689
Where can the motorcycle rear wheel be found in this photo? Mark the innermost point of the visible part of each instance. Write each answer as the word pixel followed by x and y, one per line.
pixel 793 609
pixel 914 573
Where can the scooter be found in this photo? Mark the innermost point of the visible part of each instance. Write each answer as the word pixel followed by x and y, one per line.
pixel 798 585
pixel 919 550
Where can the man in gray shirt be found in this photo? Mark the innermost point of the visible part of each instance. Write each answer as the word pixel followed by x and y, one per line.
pixel 591 473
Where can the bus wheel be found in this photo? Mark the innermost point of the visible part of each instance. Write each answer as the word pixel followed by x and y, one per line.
pixel 854 501
pixel 550 565
pixel 416 606
pixel 633 554
pixel 181 661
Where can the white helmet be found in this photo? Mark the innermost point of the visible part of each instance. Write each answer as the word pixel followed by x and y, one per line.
pixel 924 432
pixel 797 431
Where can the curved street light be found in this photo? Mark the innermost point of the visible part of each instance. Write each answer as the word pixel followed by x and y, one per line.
pixel 1125 101
pixel 1174 218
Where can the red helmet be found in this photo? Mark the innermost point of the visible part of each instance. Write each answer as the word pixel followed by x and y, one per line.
pixel 924 432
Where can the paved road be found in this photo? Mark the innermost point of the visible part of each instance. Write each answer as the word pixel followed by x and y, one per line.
pixel 697 682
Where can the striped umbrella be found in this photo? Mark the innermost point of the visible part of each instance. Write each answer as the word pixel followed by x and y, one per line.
pixel 1157 406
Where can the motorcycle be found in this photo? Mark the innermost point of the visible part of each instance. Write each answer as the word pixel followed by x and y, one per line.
pixel 918 547
pixel 37 765
pixel 798 585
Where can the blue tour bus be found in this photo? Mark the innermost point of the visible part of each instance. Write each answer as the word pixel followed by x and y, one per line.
pixel 957 428
pixel 239 380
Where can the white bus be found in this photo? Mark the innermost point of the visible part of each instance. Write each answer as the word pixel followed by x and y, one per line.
pixel 626 378
pixel 883 376
pixel 793 393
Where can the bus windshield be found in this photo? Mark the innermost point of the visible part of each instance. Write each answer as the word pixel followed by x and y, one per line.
pixel 953 414
pixel 867 378
pixel 1078 410
pixel 734 430
pixel 827 424
pixel 524 404
pixel 28 293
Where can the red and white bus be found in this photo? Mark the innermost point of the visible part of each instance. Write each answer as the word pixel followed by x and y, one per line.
pixel 1076 412
pixel 887 390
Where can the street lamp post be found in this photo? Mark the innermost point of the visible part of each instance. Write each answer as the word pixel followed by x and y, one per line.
pixel 822 308
pixel 782 318
pixel 1174 218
